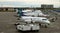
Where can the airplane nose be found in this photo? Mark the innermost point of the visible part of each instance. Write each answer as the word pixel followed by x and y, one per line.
pixel 48 22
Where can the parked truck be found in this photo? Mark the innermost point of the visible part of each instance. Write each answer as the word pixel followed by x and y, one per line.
pixel 27 27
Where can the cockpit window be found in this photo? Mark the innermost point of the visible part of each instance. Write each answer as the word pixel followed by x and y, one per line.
pixel 44 19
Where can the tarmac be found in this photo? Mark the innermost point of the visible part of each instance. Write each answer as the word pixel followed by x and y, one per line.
pixel 8 19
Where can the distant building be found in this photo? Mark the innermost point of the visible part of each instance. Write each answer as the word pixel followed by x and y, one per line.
pixel 7 9
pixel 46 6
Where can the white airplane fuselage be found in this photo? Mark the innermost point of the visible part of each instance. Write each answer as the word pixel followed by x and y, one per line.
pixel 33 13
pixel 41 20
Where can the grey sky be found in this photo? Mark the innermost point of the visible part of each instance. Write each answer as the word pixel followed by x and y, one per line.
pixel 28 3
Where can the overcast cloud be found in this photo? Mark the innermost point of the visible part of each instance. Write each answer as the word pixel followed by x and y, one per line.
pixel 29 3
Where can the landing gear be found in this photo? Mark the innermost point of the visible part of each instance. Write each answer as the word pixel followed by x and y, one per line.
pixel 46 26
pixel 40 24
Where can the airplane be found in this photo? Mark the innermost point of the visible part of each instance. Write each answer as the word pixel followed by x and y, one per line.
pixel 33 13
pixel 40 20
pixel 36 19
